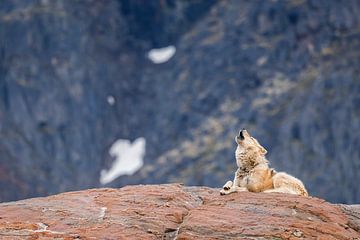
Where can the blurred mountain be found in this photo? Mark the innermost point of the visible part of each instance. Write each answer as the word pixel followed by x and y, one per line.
pixel 75 77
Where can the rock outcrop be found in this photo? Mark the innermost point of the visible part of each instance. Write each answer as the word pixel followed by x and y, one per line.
pixel 75 77
pixel 175 211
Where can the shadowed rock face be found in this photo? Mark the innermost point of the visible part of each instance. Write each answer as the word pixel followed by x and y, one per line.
pixel 286 70
pixel 174 212
pixel 59 63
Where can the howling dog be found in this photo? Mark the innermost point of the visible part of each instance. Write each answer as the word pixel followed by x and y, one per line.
pixel 253 173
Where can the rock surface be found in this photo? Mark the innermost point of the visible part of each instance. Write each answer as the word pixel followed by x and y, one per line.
pixel 286 70
pixel 173 211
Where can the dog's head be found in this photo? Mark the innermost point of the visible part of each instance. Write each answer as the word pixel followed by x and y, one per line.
pixel 246 142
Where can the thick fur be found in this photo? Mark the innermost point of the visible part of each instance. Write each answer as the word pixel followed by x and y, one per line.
pixel 253 173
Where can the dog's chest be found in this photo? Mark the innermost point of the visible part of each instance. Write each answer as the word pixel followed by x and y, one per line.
pixel 242 175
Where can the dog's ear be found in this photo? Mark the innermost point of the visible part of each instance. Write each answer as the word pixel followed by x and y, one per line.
pixel 263 151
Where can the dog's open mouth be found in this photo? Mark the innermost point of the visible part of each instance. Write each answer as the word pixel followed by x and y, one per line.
pixel 241 135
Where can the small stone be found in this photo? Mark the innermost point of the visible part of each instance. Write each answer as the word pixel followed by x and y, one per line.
pixel 298 233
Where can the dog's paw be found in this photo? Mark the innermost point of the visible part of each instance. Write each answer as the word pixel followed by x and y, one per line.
pixel 224 192
pixel 227 185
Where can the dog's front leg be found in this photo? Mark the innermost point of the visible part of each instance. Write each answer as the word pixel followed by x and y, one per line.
pixel 234 186
pixel 230 184
pixel 232 190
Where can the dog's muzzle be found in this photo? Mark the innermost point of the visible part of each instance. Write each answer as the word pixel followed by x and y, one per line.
pixel 241 135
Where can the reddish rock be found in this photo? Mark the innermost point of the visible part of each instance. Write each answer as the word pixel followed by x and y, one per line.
pixel 175 211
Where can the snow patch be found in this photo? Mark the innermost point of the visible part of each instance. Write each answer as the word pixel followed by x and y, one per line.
pixel 110 100
pixel 161 55
pixel 128 159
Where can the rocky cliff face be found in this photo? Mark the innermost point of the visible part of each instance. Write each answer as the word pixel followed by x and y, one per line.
pixel 176 212
pixel 286 70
